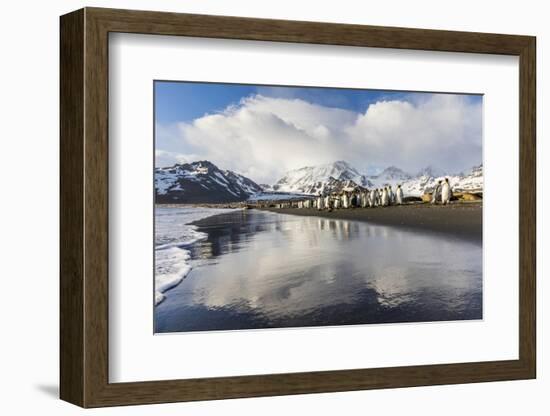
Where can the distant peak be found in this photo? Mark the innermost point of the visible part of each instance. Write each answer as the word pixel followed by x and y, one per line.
pixel 191 165
pixel 392 172
pixel 431 170
pixel 204 163
pixel 392 169
pixel 341 163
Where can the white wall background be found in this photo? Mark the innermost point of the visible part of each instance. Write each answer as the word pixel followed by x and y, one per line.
pixel 29 85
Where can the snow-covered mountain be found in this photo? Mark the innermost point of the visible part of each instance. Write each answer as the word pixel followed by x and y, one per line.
pixel 204 182
pixel 390 176
pixel 338 185
pixel 201 182
pixel 338 175
pixel 430 171
pixel 471 180
pixel 426 181
pixel 314 179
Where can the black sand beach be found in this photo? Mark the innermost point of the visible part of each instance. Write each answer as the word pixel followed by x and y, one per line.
pixel 258 269
pixel 463 220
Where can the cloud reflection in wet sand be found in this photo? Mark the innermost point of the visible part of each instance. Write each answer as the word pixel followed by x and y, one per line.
pixel 261 269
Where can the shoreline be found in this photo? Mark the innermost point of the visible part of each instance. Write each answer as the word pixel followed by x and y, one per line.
pixel 462 220
pixel 259 270
pixel 180 250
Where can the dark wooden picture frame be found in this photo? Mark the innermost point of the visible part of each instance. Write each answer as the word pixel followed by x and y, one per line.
pixel 84 218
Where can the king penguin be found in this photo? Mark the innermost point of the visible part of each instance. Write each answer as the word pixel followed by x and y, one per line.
pixel 446 192
pixel 319 202
pixel 399 195
pixel 391 199
pixel 437 193
pixel 385 197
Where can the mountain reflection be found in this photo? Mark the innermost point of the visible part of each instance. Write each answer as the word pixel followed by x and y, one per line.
pixel 260 270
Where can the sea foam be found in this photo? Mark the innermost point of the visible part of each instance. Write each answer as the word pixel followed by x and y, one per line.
pixel 173 238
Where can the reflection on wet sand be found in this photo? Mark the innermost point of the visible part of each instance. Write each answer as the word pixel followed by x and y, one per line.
pixel 262 270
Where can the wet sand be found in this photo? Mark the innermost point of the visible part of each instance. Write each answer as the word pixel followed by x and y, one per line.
pixel 462 220
pixel 257 269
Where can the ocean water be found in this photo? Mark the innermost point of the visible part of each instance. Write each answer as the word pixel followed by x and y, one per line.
pixel 173 237
pixel 252 269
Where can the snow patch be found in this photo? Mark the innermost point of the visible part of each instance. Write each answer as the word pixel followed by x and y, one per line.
pixel 313 179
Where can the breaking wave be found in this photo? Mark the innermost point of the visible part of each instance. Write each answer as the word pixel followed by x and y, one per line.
pixel 174 236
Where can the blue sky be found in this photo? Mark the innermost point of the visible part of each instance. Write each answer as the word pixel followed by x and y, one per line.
pixel 263 131
pixel 186 101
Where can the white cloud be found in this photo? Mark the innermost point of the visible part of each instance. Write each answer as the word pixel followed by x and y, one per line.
pixel 263 137
pixel 444 131
pixel 166 158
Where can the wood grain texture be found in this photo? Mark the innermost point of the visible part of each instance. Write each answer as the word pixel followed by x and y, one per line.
pixel 84 204
pixel 96 208
pixel 71 100
pixel 225 27
pixel 527 208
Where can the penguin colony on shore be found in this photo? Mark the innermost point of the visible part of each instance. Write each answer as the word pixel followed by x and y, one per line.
pixel 365 198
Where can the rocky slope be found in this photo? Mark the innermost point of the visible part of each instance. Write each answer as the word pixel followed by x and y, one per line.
pixel 201 182
pixel 314 179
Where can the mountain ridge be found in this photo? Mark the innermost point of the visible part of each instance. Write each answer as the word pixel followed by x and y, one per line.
pixel 203 182
pixel 314 179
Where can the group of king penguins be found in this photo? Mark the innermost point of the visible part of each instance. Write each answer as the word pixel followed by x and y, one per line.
pixel 378 197
pixel 360 199
pixel 442 192
pixel 354 199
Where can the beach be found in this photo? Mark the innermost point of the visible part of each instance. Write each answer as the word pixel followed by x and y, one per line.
pixel 240 242
pixel 255 269
pixel 460 219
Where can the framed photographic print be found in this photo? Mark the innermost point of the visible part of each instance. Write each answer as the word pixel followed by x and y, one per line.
pixel 255 207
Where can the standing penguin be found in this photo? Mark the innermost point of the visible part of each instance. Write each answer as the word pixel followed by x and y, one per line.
pixel 437 193
pixel 446 192
pixel 355 200
pixel 364 199
pixel 390 196
pixel 399 195
pixel 385 197
pixel 345 200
